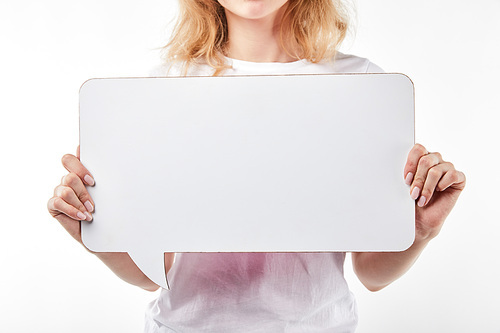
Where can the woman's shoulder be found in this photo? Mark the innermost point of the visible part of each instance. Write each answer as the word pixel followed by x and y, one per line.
pixel 349 63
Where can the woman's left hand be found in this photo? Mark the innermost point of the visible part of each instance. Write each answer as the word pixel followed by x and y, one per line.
pixel 435 186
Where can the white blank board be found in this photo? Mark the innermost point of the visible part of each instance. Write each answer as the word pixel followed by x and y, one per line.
pixel 248 163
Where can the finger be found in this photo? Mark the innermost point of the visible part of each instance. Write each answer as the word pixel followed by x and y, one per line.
pixel 412 162
pixel 69 196
pixel 70 224
pixel 72 180
pixel 424 164
pixel 73 164
pixel 452 178
pixel 433 176
pixel 58 206
pixel 78 152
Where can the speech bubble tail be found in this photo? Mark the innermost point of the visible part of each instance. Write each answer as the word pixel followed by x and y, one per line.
pixel 149 264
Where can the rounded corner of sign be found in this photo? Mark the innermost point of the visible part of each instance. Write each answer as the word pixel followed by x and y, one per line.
pixel 87 84
pixel 86 242
pixel 407 79
pixel 88 246
pixel 408 242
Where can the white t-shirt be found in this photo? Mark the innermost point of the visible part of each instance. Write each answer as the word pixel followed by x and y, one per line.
pixel 258 292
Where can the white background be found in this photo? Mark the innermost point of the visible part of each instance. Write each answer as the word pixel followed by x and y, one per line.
pixel 49 48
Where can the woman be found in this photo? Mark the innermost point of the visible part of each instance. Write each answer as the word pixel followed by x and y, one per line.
pixel 265 292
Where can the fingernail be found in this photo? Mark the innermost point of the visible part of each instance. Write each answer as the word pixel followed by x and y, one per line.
pixel 89 180
pixel 409 178
pixel 89 217
pixel 81 216
pixel 421 201
pixel 89 206
pixel 414 194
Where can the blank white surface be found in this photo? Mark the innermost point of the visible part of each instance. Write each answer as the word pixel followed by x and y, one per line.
pixel 49 48
pixel 273 166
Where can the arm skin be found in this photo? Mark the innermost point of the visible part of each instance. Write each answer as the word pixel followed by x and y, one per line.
pixel 435 186
pixel 124 267
pixel 376 270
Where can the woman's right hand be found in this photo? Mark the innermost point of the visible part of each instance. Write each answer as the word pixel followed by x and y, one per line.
pixel 71 202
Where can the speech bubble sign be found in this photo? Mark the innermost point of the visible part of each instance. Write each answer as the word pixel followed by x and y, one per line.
pixel 247 164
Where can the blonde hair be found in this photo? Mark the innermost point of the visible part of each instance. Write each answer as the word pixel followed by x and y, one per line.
pixel 310 30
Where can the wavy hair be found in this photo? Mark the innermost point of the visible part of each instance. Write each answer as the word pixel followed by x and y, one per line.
pixel 310 29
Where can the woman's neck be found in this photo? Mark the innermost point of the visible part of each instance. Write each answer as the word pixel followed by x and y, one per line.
pixel 256 40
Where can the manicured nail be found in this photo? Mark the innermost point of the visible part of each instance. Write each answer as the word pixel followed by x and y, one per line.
pixel 421 201
pixel 89 206
pixel 89 180
pixel 409 178
pixel 414 194
pixel 81 216
pixel 89 217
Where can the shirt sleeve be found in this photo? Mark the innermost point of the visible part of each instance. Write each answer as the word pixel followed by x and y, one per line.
pixel 372 68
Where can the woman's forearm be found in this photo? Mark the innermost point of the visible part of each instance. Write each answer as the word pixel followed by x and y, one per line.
pixel 377 270
pixel 125 268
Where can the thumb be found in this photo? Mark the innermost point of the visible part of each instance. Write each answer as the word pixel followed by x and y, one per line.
pixel 78 152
